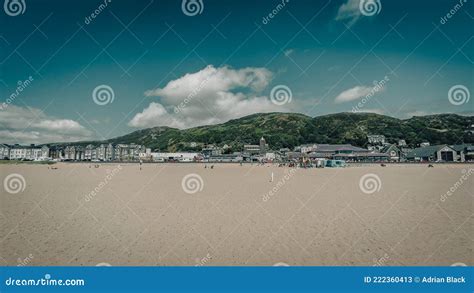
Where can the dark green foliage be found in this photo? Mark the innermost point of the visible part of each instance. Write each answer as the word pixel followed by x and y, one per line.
pixel 290 129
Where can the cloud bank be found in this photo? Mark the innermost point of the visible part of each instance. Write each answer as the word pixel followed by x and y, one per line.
pixel 209 96
pixel 31 125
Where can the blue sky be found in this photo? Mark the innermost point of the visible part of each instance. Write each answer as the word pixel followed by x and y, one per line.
pixel 166 68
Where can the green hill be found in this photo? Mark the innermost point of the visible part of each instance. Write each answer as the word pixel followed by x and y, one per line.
pixel 291 129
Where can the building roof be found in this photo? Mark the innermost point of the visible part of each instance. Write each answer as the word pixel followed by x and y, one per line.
pixel 308 145
pixel 16 146
pixel 461 147
pixel 387 148
pixel 251 146
pixel 319 155
pixel 338 147
pixel 425 151
pixel 361 155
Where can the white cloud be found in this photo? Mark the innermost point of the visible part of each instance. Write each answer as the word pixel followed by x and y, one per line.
pixel 353 94
pixel 155 114
pixel 209 96
pixel 31 125
pixel 349 11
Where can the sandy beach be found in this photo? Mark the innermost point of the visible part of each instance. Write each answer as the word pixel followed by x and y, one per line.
pixel 188 215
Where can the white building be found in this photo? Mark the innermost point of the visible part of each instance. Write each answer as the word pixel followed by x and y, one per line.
pixel 306 148
pixel 376 139
pixel 181 157
pixel 4 151
pixel 270 157
pixel 36 154
pixel 88 152
pixel 18 153
pixel 145 156
pixel 45 153
pixel 101 152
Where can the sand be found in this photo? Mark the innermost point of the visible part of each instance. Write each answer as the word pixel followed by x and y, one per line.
pixel 312 217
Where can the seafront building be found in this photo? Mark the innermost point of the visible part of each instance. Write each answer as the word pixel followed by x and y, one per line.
pixel 103 152
pixel 176 157
pixel 4 151
pixel 434 153
pixel 377 151
pixel 18 152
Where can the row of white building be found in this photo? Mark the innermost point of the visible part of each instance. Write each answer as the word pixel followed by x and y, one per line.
pixel 102 152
